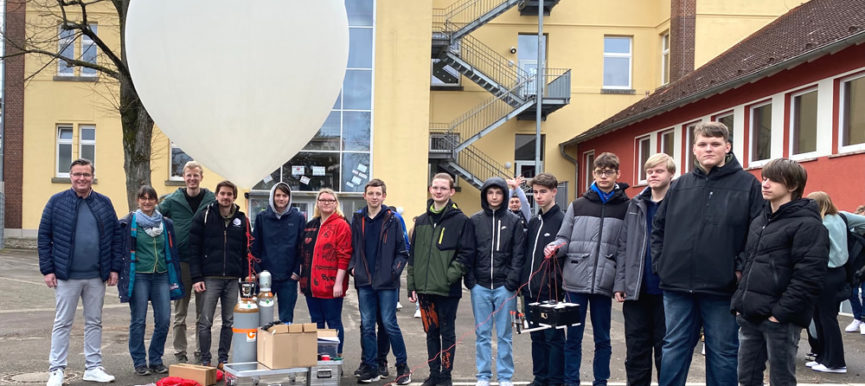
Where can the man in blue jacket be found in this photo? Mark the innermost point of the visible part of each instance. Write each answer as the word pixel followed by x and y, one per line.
pixel 379 254
pixel 79 251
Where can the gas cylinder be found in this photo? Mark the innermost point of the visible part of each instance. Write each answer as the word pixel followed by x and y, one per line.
pixel 245 328
pixel 265 299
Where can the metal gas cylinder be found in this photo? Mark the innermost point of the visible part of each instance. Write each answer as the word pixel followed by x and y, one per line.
pixel 245 328
pixel 265 299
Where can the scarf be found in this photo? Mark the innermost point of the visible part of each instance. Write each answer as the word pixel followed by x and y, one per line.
pixel 152 225
pixel 604 196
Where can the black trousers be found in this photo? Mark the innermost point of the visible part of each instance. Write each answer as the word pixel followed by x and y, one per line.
pixel 644 336
pixel 828 344
pixel 766 340
pixel 439 314
pixel 548 351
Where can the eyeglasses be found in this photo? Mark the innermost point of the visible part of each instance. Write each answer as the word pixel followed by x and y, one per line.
pixel 82 175
pixel 147 198
pixel 605 173
pixel 326 201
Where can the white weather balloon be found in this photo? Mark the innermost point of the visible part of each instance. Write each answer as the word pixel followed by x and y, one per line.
pixel 241 86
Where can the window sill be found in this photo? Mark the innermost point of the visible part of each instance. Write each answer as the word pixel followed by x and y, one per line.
pixel 619 91
pixel 67 180
pixel 72 78
pixel 847 153
pixel 174 183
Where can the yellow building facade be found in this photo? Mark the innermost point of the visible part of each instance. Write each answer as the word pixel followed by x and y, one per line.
pixel 66 115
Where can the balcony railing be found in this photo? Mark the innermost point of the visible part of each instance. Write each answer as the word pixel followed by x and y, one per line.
pixel 488 62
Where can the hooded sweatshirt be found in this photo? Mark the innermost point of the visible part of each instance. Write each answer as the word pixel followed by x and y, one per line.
pixel 277 236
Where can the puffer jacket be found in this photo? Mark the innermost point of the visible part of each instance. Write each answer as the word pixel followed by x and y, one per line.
pixel 499 244
pixel 634 240
pixel 325 249
pixel 276 239
pixel 589 237
pixel 221 248
pixel 702 245
pixel 440 252
pixel 127 276
pixel 56 237
pixel 392 254
pixel 786 259
pixel 175 207
pixel 545 282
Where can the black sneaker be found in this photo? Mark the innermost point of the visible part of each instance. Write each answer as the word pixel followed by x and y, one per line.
pixel 368 375
pixel 360 369
pixel 403 374
pixel 142 370
pixel 382 369
pixel 445 382
pixel 180 358
pixel 159 369
pixel 431 381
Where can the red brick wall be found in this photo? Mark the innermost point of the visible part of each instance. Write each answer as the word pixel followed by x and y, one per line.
pixel 683 19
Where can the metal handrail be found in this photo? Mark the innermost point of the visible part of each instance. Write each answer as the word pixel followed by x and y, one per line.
pixel 460 14
pixel 488 62
pixel 480 165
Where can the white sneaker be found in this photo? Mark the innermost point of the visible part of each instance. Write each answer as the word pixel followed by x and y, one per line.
pixel 398 306
pixel 98 375
pixel 417 313
pixel 56 378
pixel 811 363
pixel 703 351
pixel 862 328
pixel 506 383
pixel 824 369
pixel 482 382
pixel 854 326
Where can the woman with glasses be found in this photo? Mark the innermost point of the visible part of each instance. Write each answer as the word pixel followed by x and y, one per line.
pixel 325 253
pixel 151 272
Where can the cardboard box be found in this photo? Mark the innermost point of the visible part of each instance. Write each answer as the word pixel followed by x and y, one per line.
pixel 287 346
pixel 201 374
pixel 328 342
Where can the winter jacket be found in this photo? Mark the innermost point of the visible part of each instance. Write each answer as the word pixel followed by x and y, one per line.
pixel 546 281
pixel 499 244
pixel 56 237
pixel 175 207
pixel 440 251
pixel 631 259
pixel 392 255
pixel 702 245
pixel 276 239
pixel 126 283
pixel 221 249
pixel 590 235
pixel 325 249
pixel 786 258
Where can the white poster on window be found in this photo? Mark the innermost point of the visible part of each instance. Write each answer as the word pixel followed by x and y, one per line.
pixel 304 180
pixel 361 167
pixel 318 171
pixel 297 170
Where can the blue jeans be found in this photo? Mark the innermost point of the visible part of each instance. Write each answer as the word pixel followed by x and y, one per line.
pixel 493 306
pixel 224 292
pixel 372 302
pixel 152 288
pixel 856 304
pixel 601 306
pixel 548 352
pixel 766 340
pixel 327 311
pixel 685 314
pixel 286 298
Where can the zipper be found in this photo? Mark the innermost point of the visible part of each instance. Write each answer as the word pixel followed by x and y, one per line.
pixel 224 250
pixel 155 253
pixel 534 251
pixel 598 248
pixel 642 257
pixel 492 247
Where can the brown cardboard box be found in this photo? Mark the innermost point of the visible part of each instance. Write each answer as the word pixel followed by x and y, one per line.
pixel 202 374
pixel 287 346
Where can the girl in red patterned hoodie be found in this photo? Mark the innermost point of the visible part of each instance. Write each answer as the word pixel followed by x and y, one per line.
pixel 325 253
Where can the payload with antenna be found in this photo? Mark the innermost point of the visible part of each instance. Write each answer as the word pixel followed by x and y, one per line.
pixel 546 314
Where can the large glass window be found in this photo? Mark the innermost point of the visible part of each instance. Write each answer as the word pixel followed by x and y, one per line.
pixel 88 52
pixel 338 156
pixel 727 120
pixel 87 142
pixel 617 62
pixel 804 123
pixel 761 132
pixel 668 142
pixel 179 158
pixel 689 151
pixel 588 166
pixel 853 112
pixel 665 58
pixel 66 48
pixel 64 150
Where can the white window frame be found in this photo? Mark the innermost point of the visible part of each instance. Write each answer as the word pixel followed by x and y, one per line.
pixel 665 57
pixel 86 142
pixel 171 176
pixel 751 132
pixel 842 104
pixel 629 55
pixel 792 132
pixel 85 42
pixel 65 42
pixel 689 148
pixel 664 133
pixel 63 142
pixel 588 168
pixel 641 172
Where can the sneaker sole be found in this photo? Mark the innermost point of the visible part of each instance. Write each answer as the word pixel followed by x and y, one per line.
pixel 370 380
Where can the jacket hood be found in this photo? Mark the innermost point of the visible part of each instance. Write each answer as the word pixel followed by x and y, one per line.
pixel 362 212
pixel 272 206
pixel 731 165
pixel 618 193
pixel 803 207
pixel 450 208
pixel 497 182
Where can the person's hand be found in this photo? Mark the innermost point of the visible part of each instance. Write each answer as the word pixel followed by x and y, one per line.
pixel 620 296
pixel 295 277
pixel 519 180
pixel 50 280
pixel 199 287
pixel 773 320
pixel 738 276
pixel 337 290
pixel 551 249
pixel 412 297
pixel 112 279
pixel 512 183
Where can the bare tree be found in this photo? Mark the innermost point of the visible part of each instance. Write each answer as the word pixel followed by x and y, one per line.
pixel 71 18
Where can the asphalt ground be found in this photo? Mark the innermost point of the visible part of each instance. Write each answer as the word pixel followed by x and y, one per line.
pixel 27 313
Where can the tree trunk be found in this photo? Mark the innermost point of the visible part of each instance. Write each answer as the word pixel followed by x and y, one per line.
pixel 137 130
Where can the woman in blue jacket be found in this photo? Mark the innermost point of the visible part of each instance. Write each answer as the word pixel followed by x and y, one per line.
pixel 276 237
pixel 151 272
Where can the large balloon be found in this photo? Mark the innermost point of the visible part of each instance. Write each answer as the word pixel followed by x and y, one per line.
pixel 241 86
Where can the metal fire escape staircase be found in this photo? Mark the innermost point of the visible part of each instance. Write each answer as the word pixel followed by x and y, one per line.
pixel 513 89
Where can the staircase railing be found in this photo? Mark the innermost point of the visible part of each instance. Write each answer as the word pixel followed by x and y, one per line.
pixel 480 165
pixel 461 14
pixel 486 114
pixel 488 62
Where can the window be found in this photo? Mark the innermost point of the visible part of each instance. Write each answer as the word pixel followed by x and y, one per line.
pixel 617 62
pixel 665 58
pixel 64 150
pixel 644 150
pixel 727 120
pixel 588 161
pixel 761 132
pixel 67 44
pixel 524 155
pixel 689 151
pixel 803 119
pixel 852 122
pixel 88 53
pixel 179 158
pixel 668 142
pixel 527 58
pixel 87 142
